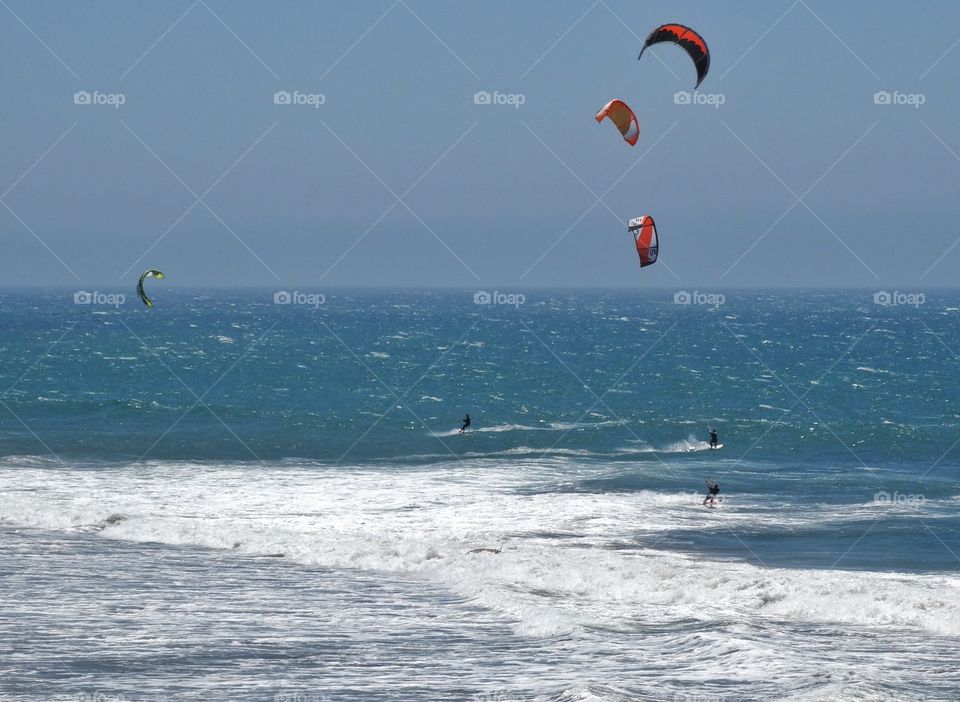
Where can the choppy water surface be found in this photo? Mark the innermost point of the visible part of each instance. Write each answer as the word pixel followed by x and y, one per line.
pixel 224 498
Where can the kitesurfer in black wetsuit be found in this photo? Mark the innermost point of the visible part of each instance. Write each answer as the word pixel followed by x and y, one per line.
pixel 713 489
pixel 713 438
pixel 466 423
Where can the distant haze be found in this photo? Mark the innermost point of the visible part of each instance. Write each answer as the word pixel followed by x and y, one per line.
pixel 822 149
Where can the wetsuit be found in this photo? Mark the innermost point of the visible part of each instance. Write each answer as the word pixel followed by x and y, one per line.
pixel 712 491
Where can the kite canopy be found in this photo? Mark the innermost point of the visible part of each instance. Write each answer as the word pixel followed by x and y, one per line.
pixel 622 116
pixel 152 273
pixel 645 235
pixel 688 40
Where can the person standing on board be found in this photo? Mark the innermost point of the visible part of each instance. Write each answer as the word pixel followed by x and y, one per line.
pixel 713 490
pixel 713 438
pixel 466 423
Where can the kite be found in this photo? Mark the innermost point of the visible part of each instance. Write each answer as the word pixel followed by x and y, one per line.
pixel 147 274
pixel 688 40
pixel 622 116
pixel 644 232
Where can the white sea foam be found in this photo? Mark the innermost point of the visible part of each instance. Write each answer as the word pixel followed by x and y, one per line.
pixel 689 445
pixel 559 572
pixel 547 426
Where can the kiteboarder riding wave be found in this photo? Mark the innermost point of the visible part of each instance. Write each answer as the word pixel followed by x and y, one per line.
pixel 713 489
pixel 466 423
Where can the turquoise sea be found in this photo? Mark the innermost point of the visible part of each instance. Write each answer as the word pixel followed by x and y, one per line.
pixel 263 494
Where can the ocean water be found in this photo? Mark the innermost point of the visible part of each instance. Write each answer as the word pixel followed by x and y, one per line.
pixel 227 498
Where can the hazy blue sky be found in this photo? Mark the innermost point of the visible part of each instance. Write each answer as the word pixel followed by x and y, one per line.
pixel 294 193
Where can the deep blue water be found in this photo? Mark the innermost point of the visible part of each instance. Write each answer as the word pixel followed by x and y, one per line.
pixel 864 385
pixel 327 433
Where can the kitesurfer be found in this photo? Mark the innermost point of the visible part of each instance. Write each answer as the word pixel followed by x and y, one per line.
pixel 713 489
pixel 466 423
pixel 713 438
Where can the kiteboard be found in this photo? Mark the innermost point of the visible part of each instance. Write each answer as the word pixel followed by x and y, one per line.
pixel 692 449
pixel 717 503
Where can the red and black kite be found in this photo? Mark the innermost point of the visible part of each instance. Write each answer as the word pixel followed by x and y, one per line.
pixel 688 40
